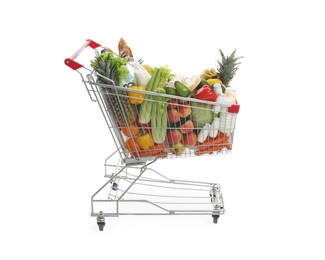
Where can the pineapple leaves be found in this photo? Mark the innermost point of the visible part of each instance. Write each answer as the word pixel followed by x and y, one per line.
pixel 228 66
pixel 112 67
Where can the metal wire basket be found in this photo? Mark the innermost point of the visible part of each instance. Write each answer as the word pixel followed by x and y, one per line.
pixel 182 132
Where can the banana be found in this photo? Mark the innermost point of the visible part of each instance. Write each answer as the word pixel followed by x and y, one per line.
pixel 209 74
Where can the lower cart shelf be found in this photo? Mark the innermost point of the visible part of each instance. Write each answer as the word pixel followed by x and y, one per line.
pixel 141 190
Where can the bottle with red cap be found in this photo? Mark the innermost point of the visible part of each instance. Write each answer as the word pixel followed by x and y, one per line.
pixel 227 119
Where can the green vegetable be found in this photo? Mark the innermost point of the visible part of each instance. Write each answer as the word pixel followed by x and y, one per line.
pixel 201 114
pixel 167 70
pixel 113 67
pixel 170 91
pixel 158 80
pixel 223 88
pixel 145 109
pixel 182 89
pixel 159 117
pixel 202 83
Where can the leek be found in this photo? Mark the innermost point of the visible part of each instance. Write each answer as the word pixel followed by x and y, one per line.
pixel 158 81
pixel 159 117
pixel 145 109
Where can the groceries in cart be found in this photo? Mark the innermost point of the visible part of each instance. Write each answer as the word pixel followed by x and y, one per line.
pixel 160 113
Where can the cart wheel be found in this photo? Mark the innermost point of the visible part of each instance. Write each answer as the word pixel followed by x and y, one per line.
pixel 215 218
pixel 114 186
pixel 101 225
pixel 101 220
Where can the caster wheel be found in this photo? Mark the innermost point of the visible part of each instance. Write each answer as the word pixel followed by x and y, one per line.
pixel 215 218
pixel 114 186
pixel 101 225
pixel 101 220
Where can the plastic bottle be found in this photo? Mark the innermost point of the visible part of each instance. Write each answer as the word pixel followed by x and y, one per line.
pixel 203 134
pixel 229 92
pixel 217 89
pixel 214 129
pixel 227 120
pixel 141 76
pixel 216 109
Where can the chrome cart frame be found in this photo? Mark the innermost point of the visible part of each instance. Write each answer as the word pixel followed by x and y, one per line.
pixel 133 187
pixel 164 196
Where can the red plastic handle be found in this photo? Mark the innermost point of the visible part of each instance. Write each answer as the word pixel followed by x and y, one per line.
pixel 70 62
pixel 234 108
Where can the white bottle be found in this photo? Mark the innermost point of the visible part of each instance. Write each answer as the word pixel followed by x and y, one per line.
pixel 142 76
pixel 216 109
pixel 230 92
pixel 214 129
pixel 217 89
pixel 227 120
pixel 203 133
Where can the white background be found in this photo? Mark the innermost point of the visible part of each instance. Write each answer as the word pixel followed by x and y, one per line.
pixel 54 140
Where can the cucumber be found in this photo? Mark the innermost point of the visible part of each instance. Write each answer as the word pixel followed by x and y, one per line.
pixel 202 83
pixel 182 89
pixel 170 91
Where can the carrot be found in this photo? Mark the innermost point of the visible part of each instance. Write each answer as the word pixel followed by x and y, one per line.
pixel 134 130
pixel 214 144
pixel 161 150
pixel 212 149
pixel 156 150
pixel 132 146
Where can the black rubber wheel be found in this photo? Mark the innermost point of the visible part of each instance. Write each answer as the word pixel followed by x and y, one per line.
pixel 215 218
pixel 114 186
pixel 101 225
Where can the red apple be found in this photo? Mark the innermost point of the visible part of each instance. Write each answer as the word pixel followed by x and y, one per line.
pixel 172 103
pixel 173 116
pixel 174 137
pixel 190 139
pixel 184 110
pixel 187 127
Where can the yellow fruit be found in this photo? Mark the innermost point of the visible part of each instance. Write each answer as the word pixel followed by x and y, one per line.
pixel 209 74
pixel 213 81
pixel 147 68
pixel 178 148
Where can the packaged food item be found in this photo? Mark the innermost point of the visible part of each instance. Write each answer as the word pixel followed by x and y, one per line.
pixel 227 120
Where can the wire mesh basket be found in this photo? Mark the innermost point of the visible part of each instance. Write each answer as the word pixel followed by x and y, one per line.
pixel 193 127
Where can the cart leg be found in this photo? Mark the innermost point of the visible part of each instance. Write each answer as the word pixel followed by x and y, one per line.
pixel 101 220
pixel 215 218
pixel 217 201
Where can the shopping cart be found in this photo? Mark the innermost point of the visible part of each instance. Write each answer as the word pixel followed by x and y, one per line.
pixel 133 187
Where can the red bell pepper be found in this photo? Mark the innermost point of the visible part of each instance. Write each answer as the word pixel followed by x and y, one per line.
pixel 206 93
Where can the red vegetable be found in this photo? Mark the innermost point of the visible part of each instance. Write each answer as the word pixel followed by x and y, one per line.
pixel 206 93
pixel 145 126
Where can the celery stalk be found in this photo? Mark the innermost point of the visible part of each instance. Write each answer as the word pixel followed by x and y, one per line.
pixel 159 118
pixel 145 109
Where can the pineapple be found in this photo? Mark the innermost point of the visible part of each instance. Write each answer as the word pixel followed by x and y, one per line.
pixel 228 67
pixel 116 101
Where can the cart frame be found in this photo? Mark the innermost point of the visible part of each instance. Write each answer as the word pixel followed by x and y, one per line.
pixel 130 171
